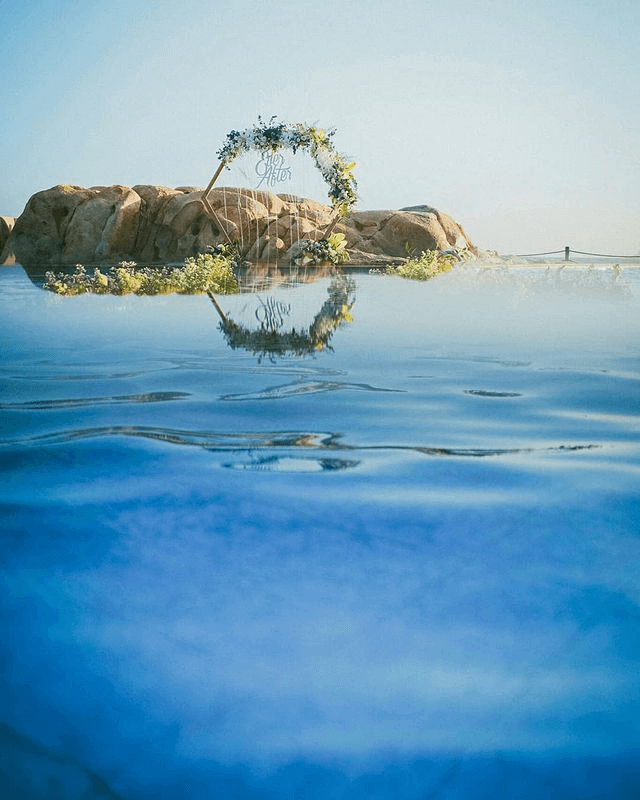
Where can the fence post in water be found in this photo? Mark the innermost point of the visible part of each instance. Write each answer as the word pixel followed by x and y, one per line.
pixel 566 253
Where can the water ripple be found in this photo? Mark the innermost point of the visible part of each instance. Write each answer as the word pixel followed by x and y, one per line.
pixel 487 393
pixel 502 362
pixel 288 464
pixel 245 442
pixel 49 405
pixel 297 388
pixel 210 440
pixel 59 376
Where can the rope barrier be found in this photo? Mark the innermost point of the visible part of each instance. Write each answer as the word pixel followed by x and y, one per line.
pixel 529 255
pixel 603 255
pixel 566 252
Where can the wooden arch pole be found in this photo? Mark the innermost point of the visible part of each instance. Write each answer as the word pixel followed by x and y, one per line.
pixel 204 199
pixel 331 226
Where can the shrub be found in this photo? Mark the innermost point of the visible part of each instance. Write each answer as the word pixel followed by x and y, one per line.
pixel 207 272
pixel 426 266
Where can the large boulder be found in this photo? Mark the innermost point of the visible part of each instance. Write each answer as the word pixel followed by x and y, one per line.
pixel 6 226
pixel 401 232
pixel 454 232
pixel 152 237
pixel 66 225
pixel 69 224
pixel 104 226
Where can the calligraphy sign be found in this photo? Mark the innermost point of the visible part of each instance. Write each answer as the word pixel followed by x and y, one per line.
pixel 271 170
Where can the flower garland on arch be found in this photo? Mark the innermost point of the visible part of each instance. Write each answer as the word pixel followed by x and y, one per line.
pixel 269 137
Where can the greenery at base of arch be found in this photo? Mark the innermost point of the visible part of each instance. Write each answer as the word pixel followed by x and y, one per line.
pixel 325 251
pixel 269 137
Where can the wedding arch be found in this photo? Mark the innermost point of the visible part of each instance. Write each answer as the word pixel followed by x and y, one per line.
pixel 268 138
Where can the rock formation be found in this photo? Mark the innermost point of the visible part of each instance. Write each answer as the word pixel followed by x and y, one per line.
pixel 6 226
pixel 66 225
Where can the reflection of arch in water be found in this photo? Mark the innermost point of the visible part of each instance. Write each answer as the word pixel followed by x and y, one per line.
pixel 267 339
pixel 264 276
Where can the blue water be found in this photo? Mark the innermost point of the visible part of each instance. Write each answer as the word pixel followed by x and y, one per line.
pixel 404 566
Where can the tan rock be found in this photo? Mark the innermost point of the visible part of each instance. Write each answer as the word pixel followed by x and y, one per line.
pixel 273 249
pixel 242 214
pixel 228 197
pixel 104 224
pixel 455 233
pixel 120 231
pixel 174 224
pixel 38 234
pixel 266 248
pixel 456 236
pixel 243 226
pixel 353 238
pixel 67 224
pixel 320 214
pixel 202 234
pixel 156 240
pixel 181 212
pixel 83 237
pixel 367 222
pixel 6 226
pixel 360 227
pixel 292 228
pixel 368 259
pixel 404 232
pixel 153 196
pixel 274 204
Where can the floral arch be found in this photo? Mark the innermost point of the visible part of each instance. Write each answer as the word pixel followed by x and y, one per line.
pixel 271 137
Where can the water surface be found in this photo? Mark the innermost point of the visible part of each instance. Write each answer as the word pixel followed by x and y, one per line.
pixel 402 566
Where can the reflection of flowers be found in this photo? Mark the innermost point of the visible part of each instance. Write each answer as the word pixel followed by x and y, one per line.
pixel 266 340
pixel 270 137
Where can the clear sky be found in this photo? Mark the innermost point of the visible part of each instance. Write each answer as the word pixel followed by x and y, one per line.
pixel 520 118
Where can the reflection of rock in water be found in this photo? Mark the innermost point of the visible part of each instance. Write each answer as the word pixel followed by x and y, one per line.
pixel 260 277
pixel 267 339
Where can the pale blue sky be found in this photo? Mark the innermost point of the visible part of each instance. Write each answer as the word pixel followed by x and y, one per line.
pixel 520 119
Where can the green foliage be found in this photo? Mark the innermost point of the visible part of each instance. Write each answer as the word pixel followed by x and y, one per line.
pixel 338 245
pixel 208 272
pixel 426 266
pixel 332 250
